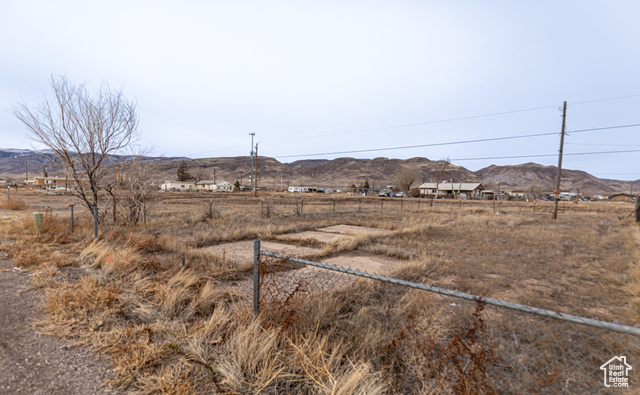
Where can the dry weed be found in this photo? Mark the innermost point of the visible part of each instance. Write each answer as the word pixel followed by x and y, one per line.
pixel 15 203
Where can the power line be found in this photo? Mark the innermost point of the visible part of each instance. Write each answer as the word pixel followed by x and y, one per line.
pixel 631 125
pixel 452 119
pixel 545 155
pixel 431 122
pixel 605 99
pixel 416 124
pixel 609 145
pixel 455 142
pixel 420 145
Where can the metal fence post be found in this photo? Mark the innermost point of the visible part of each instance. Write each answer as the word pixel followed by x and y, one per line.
pixel 256 278
pixel 638 209
pixel 8 195
pixel 334 205
pixel 72 226
pixel 95 222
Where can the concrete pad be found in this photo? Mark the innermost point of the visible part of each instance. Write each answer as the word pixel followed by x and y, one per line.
pixel 320 237
pixel 355 230
pixel 368 263
pixel 242 251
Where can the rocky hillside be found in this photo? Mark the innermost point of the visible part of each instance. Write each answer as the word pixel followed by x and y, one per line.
pixel 336 173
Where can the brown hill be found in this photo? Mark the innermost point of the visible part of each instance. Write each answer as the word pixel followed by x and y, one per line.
pixel 542 178
pixel 336 173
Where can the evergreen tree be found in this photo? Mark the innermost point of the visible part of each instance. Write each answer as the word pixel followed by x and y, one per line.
pixel 183 172
pixel 236 186
pixel 366 184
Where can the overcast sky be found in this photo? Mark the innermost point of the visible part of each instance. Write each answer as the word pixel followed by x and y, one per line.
pixel 330 76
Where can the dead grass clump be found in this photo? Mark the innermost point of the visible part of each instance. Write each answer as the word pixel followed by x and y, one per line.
pixel 375 336
pixel 182 378
pixel 76 308
pixel 110 259
pixel 218 267
pixel 344 244
pixel 15 203
pixel 251 359
pixel 27 254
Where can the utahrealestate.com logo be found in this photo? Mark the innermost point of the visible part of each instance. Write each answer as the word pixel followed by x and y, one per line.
pixel 616 372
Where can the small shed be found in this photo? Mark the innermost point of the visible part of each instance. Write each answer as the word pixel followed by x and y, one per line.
pixel 214 185
pixel 621 197
pixel 298 189
pixel 182 186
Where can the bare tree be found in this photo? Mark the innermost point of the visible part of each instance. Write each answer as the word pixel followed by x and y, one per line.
pixel 406 178
pixel 137 193
pixel 82 130
pixel 442 171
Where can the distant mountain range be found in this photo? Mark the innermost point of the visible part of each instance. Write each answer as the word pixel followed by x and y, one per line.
pixel 336 173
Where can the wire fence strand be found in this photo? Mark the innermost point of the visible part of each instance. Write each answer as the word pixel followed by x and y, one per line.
pixel 444 340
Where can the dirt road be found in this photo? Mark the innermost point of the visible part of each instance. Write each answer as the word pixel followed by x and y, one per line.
pixel 35 364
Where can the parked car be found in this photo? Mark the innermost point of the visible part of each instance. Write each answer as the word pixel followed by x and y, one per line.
pixel 384 194
pixel 400 194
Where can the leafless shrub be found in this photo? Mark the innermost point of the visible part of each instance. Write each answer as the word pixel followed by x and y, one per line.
pixel 406 178
pixel 267 209
pixel 211 212
pixel 15 203
pixel 298 209
pixel 82 130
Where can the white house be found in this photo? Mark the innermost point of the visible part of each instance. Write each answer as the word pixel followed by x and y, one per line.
pixel 214 185
pixel 298 189
pixel 471 190
pixel 178 186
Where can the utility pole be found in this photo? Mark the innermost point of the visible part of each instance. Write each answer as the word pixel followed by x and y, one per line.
pixel 251 173
pixel 26 171
pixel 559 175
pixel 280 182
pixel 214 176
pixel 255 189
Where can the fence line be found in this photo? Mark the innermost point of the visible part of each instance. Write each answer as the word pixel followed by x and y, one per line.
pixel 442 291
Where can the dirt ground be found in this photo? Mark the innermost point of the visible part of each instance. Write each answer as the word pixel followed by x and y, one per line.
pixel 515 256
pixel 34 364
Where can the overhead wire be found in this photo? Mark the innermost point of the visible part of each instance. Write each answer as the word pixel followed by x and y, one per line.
pixel 455 142
pixel 435 122
pixel 544 155
pixel 416 124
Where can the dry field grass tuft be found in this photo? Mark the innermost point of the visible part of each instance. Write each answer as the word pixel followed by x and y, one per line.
pixel 169 329
pixel 13 204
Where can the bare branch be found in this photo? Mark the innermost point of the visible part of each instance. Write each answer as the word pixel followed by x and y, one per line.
pixel 82 131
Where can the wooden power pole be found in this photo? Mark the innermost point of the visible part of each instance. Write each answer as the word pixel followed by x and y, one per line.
pixel 559 175
pixel 255 189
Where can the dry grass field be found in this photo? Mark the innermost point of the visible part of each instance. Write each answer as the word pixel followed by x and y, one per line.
pixel 168 329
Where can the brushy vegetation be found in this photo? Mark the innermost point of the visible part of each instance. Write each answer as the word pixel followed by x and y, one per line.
pixel 15 203
pixel 168 329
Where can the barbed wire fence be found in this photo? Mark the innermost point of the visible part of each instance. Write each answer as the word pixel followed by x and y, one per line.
pixel 434 339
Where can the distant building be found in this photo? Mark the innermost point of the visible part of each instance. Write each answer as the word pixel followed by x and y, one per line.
pixel 298 189
pixel 471 190
pixel 214 185
pixel 49 182
pixel 621 197
pixel 182 186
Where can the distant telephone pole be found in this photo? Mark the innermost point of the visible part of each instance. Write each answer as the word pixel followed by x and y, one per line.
pixel 26 171
pixel 255 189
pixel 251 173
pixel 559 175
